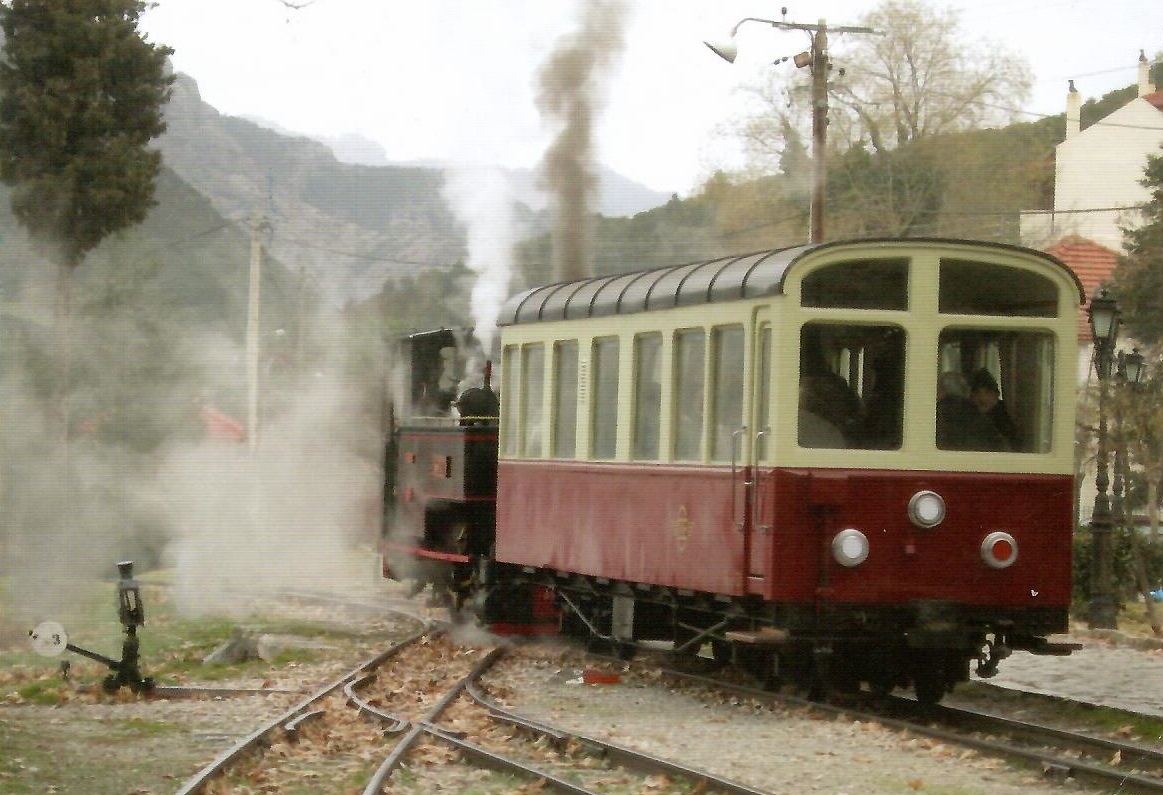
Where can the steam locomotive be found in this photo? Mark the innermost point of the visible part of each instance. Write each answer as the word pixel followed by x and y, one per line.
pixel 749 456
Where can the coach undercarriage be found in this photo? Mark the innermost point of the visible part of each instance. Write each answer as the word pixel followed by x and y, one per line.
pixel 797 644
pixel 929 646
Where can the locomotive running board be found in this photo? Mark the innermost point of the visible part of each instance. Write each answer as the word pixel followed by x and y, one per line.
pixel 430 554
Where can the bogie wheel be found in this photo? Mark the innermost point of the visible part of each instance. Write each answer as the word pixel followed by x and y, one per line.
pixel 929 687
pixel 759 663
pixel 930 680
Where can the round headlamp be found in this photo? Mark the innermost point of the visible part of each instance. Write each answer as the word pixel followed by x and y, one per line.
pixel 850 548
pixel 926 509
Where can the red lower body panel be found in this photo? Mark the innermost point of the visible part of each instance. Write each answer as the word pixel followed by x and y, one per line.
pixel 769 533
pixel 663 525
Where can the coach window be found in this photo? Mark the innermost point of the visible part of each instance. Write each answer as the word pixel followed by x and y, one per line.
pixel 689 356
pixel 727 389
pixel 509 373
pixel 565 399
pixel 647 395
pixel 996 390
pixel 604 411
pixel 851 386
pixel 984 288
pixel 859 284
pixel 532 392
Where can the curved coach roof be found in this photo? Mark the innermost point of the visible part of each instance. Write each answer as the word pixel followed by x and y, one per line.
pixel 711 281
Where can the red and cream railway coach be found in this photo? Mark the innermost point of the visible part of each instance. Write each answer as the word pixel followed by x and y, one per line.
pixel 850 460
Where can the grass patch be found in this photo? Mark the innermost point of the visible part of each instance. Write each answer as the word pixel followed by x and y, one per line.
pixel 136 728
pixel 42 692
pixel 172 644
pixel 42 754
pixel 1066 714
pixel 1115 721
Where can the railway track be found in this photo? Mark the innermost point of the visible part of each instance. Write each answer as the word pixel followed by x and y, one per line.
pixel 418 716
pixel 1106 763
pixel 287 724
pixel 1119 765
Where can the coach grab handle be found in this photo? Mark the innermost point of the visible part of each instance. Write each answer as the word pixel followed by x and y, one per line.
pixel 736 437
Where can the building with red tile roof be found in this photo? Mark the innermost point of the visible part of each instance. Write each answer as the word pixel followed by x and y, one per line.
pixel 1093 265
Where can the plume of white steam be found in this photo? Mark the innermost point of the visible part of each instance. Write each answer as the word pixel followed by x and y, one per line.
pixel 481 198
pixel 290 514
pixel 572 90
pixel 301 512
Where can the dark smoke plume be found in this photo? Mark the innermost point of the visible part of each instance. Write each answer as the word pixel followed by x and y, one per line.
pixel 571 92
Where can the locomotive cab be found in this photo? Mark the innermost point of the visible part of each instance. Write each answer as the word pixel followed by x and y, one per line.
pixel 441 465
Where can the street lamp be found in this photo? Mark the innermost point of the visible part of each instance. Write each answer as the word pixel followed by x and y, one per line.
pixel 1102 612
pixel 1129 369
pixel 819 62
pixel 1133 366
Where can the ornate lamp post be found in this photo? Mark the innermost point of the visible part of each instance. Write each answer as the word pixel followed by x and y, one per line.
pixel 1129 369
pixel 1102 612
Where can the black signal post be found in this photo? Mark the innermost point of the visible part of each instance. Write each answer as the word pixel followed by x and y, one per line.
pixel 50 639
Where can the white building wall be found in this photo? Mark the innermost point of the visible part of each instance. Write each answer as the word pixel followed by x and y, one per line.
pixel 1096 170
pixel 1102 165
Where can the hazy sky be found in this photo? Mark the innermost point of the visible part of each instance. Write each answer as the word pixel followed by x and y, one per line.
pixel 457 78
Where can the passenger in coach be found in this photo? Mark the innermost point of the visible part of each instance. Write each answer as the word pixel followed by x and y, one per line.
pixel 986 396
pixel 960 426
pixel 825 408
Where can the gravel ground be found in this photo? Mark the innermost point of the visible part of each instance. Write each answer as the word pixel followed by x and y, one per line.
pixel 771 749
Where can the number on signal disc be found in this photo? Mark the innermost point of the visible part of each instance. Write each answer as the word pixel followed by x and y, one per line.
pixel 49 639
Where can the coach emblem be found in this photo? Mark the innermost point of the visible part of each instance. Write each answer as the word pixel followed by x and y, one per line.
pixel 682 529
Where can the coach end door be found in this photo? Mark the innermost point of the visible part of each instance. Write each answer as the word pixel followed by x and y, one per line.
pixel 759 502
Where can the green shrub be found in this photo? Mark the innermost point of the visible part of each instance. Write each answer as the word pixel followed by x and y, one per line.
pixel 1126 589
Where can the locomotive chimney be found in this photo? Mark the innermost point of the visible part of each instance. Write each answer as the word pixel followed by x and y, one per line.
pixel 488 373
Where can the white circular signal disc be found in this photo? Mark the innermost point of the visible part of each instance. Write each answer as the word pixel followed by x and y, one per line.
pixel 49 639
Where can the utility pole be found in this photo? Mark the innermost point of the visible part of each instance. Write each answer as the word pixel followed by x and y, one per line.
pixel 820 63
pixel 258 225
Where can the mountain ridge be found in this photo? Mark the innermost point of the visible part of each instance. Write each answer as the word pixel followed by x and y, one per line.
pixel 351 227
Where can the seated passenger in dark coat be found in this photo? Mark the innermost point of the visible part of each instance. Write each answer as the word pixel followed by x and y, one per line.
pixel 960 426
pixel 827 398
pixel 986 396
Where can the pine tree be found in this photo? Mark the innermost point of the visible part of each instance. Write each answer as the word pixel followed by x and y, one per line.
pixel 1138 279
pixel 81 96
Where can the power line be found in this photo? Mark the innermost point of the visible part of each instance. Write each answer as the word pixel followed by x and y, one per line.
pixel 368 257
pixel 198 235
